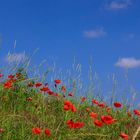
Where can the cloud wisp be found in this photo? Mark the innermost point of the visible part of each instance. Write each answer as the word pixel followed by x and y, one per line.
pixel 129 36
pixel 93 34
pixel 118 4
pixel 128 63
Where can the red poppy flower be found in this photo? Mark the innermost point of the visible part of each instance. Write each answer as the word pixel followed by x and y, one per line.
pixel 1 75
pixel 50 92
pixel 11 76
pixel 124 136
pixel 63 88
pixel 29 99
pixel 36 130
pixel 108 119
pixel 56 94
pixel 108 109
pixel 98 123
pixel 101 104
pixel 78 124
pixel 68 103
pixel 70 94
pixel 1 130
pixel 82 98
pixel 73 108
pixel 137 112
pixel 47 132
pixel 129 114
pixel 17 75
pixel 70 123
pixel 87 109
pixel 8 84
pixel 94 101
pixel 44 89
pixel 93 114
pixel 66 107
pixel 57 81
pixel 117 104
pixel 38 84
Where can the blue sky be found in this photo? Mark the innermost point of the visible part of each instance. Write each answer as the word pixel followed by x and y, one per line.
pixel 107 30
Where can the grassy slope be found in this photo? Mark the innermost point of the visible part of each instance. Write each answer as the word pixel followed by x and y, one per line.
pixel 18 116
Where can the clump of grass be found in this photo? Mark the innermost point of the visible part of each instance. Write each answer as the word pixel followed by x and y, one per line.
pixel 25 113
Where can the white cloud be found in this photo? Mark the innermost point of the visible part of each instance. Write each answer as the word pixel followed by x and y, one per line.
pixel 128 62
pixel 119 4
pixel 97 33
pixel 129 36
pixel 16 57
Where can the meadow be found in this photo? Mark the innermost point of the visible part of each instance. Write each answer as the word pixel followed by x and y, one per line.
pixel 33 110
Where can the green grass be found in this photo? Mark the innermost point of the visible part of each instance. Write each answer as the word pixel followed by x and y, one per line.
pixel 18 116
